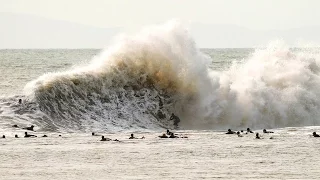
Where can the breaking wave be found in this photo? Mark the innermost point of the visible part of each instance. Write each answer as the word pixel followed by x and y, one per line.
pixel 139 81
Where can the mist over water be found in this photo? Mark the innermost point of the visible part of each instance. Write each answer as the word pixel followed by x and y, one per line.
pixel 139 81
pixel 273 87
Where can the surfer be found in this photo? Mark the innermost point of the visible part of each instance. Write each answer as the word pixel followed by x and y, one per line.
pixel 230 132
pixel 94 134
pixel 3 136
pixel 239 135
pixel 29 128
pixel 44 136
pixel 16 136
pixel 249 131
pixel 26 135
pixel 315 134
pixel 20 101
pixel 257 136
pixel 265 131
pixel 132 137
pixel 175 119
pixel 168 132
pixel 15 126
pixel 163 136
pixel 105 139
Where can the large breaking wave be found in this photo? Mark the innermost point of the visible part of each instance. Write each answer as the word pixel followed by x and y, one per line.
pixel 139 81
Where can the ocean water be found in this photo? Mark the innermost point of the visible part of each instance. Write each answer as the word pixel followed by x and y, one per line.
pixel 134 85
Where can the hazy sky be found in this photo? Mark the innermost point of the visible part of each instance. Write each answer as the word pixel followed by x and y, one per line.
pixel 253 14
pixel 213 23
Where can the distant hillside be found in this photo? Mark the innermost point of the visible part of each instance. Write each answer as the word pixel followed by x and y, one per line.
pixel 28 31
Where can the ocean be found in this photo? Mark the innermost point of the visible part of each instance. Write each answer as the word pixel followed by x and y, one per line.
pixel 135 85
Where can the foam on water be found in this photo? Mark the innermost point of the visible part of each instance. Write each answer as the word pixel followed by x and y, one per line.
pixel 139 81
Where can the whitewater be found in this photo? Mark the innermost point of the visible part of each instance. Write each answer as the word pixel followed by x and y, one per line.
pixel 135 84
pixel 139 81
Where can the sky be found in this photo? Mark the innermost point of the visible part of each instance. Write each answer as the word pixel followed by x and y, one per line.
pixel 132 14
pixel 253 14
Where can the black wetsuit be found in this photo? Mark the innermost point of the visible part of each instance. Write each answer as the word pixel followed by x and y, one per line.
pixel 316 135
pixel 29 128
pixel 265 131
pixel 29 135
pixel 230 132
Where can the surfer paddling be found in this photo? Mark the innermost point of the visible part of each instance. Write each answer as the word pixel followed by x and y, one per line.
pixel 105 139
pixel 29 128
pixel 265 131
pixel 230 132
pixel 315 134
pixel 26 135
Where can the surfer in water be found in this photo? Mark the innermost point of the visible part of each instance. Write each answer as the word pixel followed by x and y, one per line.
pixel 168 132
pixel 105 139
pixel 249 131
pixel 29 128
pixel 94 134
pixel 132 137
pixel 26 135
pixel 257 136
pixel 230 132
pixel 176 120
pixel 239 135
pixel 315 134
pixel 20 101
pixel 265 131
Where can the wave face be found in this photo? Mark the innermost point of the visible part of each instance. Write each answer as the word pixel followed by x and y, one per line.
pixel 139 81
pixel 135 84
